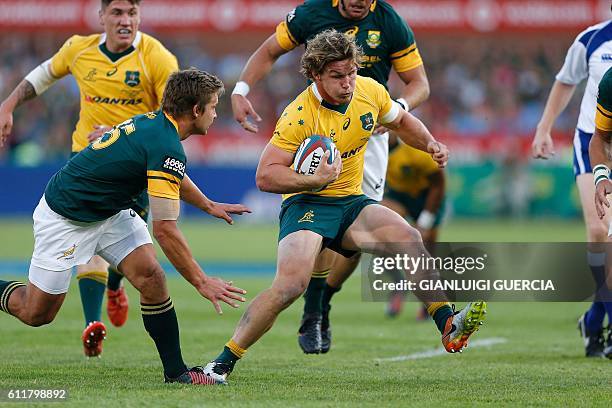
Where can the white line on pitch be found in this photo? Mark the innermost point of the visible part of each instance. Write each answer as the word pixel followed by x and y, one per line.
pixel 441 351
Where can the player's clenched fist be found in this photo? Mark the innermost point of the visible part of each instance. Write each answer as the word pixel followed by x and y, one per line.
pixel 439 152
pixel 328 173
pixel 542 146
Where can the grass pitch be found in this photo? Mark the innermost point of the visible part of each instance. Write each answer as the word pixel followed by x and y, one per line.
pixel 534 356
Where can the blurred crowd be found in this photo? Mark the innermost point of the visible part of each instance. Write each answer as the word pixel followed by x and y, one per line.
pixel 481 87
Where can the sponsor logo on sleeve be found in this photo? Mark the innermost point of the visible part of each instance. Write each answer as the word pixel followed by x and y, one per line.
pixel 174 165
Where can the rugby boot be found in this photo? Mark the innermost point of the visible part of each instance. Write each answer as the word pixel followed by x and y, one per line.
pixel 326 335
pixel 218 371
pixel 394 305
pixel 461 325
pixel 117 306
pixel 309 334
pixel 593 342
pixel 608 350
pixel 195 376
pixel 92 337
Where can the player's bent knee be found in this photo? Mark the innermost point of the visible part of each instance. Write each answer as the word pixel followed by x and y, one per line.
pixel 405 234
pixel 597 231
pixel 150 276
pixel 287 294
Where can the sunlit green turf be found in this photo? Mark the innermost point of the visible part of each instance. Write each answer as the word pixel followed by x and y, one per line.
pixel 541 362
pixel 217 241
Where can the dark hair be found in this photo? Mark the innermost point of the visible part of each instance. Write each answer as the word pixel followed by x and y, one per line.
pixel 106 3
pixel 328 46
pixel 188 88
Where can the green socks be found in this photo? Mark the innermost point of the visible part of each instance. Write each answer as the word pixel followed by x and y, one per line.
pixel 92 294
pixel 162 325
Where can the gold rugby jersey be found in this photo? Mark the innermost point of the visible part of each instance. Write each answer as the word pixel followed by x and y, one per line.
pixel 113 86
pixel 409 170
pixel 349 126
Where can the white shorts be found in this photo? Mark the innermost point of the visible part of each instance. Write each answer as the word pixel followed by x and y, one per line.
pixel 375 166
pixel 60 244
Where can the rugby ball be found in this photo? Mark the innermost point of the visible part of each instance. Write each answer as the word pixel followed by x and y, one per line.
pixel 310 153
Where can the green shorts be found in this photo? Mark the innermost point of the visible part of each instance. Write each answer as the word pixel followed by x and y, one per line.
pixel 414 205
pixel 329 217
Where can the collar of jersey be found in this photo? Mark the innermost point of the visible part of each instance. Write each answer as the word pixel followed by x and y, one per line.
pixel 116 56
pixel 336 3
pixel 342 108
pixel 171 120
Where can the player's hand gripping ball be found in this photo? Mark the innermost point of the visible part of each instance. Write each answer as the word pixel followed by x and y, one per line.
pixel 310 153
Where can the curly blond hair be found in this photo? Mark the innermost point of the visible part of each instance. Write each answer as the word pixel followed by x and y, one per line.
pixel 328 46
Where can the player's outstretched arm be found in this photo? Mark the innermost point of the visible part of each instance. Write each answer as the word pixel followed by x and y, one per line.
pixel 190 193
pixel 257 67
pixel 414 133
pixel 542 146
pixel 599 145
pixel 274 173
pixel 165 212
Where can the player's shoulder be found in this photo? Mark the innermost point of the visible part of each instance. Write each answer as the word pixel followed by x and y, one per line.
pixel 606 81
pixel 149 120
pixel 82 42
pixel 304 101
pixel 367 84
pixel 386 11
pixel 316 5
pixel 301 111
pixel 308 12
pixel 150 44
pixel 599 29
pixel 157 128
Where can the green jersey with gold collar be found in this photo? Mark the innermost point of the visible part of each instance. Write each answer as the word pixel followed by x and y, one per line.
pixel 384 36
pixel 144 152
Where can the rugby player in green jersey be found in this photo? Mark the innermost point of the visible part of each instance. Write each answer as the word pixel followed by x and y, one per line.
pixel 85 211
pixel 599 149
pixel 387 42
pixel 107 67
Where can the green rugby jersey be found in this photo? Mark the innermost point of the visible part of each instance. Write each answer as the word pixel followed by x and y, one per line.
pixel 144 152
pixel 385 38
pixel 603 115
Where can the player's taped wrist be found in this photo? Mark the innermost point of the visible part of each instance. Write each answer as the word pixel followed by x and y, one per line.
pixel 403 103
pixel 426 220
pixel 241 88
pixel 601 172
